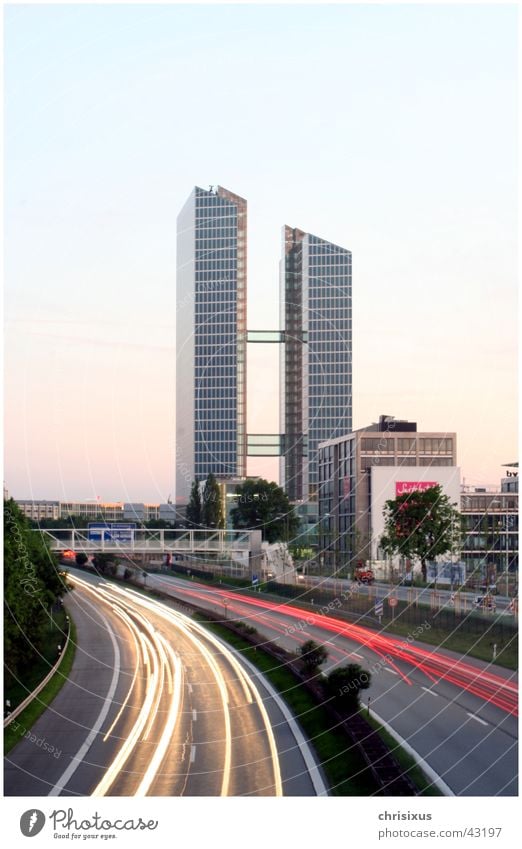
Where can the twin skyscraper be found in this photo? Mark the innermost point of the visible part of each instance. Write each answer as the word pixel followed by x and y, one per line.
pixel 211 347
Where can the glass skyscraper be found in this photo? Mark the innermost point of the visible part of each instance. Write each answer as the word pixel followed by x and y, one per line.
pixel 316 359
pixel 210 337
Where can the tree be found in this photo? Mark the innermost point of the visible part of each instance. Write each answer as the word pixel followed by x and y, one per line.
pixel 104 563
pixel 81 558
pixel 263 505
pixel 346 682
pixel 313 655
pixel 32 584
pixel 422 524
pixel 194 513
pixel 211 508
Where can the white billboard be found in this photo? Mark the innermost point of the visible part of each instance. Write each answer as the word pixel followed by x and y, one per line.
pixel 388 482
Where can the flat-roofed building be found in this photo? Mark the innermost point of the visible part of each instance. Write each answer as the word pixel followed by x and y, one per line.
pixel 360 470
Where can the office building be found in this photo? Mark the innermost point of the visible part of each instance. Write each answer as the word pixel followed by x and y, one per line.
pixel 316 358
pixel 490 544
pixel 210 338
pixel 359 471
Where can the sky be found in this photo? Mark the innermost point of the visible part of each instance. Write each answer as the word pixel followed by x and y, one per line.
pixel 389 130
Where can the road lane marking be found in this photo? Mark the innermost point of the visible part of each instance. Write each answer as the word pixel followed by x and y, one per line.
pixel 89 740
pixel 472 715
pixel 427 690
pixel 132 739
pixel 391 671
pixel 302 743
pixel 178 620
pixel 126 619
pixel 192 754
pixel 354 654
pixel 436 779
pixel 190 688
pixel 194 715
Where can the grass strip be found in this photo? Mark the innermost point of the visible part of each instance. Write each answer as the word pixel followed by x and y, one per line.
pixel 408 765
pixel 23 723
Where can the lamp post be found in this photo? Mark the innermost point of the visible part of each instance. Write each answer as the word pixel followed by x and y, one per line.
pixel 496 502
pixel 285 552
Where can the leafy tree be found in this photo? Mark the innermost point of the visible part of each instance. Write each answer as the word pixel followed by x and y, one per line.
pixel 194 510
pixel 263 505
pixel 104 563
pixel 421 524
pixel 313 655
pixel 81 558
pixel 32 584
pixel 346 682
pixel 212 510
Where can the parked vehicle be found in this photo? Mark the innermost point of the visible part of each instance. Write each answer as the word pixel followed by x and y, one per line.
pixel 363 575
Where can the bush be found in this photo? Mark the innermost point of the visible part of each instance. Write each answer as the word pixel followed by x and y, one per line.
pixel 312 655
pixel 127 575
pixel 346 682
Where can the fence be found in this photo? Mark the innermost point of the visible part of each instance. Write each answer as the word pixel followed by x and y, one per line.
pixel 357 605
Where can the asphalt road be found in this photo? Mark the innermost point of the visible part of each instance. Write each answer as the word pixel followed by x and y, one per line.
pixel 458 714
pixel 155 705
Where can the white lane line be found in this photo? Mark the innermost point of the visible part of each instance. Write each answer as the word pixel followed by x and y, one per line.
pixel 89 740
pixel 190 688
pixel 192 754
pixel 391 671
pixel 439 782
pixel 427 690
pixel 302 743
pixel 194 715
pixel 472 715
pixel 354 654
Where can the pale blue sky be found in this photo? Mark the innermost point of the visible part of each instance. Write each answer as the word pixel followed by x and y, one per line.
pixel 390 130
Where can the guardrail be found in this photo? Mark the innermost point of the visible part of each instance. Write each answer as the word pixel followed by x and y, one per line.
pixel 27 701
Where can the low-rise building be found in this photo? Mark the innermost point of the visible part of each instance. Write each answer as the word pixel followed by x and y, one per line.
pixel 37 511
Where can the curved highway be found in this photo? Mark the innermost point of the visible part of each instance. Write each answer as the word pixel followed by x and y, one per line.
pixel 156 705
pixel 458 714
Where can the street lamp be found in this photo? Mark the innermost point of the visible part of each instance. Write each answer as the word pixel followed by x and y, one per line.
pixel 496 502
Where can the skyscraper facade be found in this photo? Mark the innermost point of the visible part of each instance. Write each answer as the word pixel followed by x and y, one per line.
pixel 210 337
pixel 316 359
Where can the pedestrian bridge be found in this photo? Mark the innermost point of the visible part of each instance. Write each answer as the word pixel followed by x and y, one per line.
pixel 158 541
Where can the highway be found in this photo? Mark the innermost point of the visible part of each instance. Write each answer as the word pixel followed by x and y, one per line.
pixel 156 705
pixel 458 714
